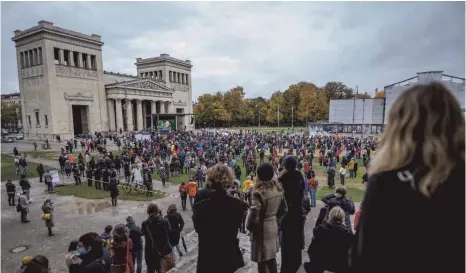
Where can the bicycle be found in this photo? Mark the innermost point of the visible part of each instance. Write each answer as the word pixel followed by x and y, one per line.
pixel 128 187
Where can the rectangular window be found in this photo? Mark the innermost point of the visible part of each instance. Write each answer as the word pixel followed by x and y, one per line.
pixel 76 58
pixel 29 120
pixel 31 58
pixel 56 55
pixel 160 74
pixel 179 110
pixel 187 79
pixel 40 55
pixel 46 120
pixel 93 62
pixel 142 75
pixel 170 74
pixel 84 60
pixel 21 58
pixel 37 118
pixel 67 57
pixel 36 56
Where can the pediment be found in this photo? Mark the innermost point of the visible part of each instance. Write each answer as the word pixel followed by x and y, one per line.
pixel 146 84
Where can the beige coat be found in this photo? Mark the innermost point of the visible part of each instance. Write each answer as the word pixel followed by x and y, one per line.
pixel 267 210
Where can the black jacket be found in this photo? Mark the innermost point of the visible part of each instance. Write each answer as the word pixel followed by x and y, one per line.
pixel 156 230
pixel 345 203
pixel 92 262
pixel 217 220
pixel 329 247
pixel 428 234
pixel 177 224
pixel 24 184
pixel 135 233
pixel 203 194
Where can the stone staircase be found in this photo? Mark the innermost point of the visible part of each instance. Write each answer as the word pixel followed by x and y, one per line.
pixel 188 263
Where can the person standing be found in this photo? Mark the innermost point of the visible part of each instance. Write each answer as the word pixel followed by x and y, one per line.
pixel 292 226
pixel 351 168
pixel 120 249
pixel 97 176
pixel 22 165
pixel 113 189
pixel 47 216
pixel 148 182
pixel 40 171
pixel 191 188
pixel 418 172
pixel 176 223
pixel 48 181
pixel 135 233
pixel 340 199
pixel 217 219
pixel 313 186
pixel 157 250
pixel 183 195
pixel 76 174
pixel 89 173
pixel 342 175
pixel 10 191
pixel 266 213
pixel 23 207
pixel 25 186
pixel 331 178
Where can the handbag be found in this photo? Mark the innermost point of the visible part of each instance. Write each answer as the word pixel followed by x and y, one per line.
pixel 46 216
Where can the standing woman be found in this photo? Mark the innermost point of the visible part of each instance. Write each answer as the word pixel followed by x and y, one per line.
pixel 113 189
pixel 177 223
pixel 47 209
pixel 420 164
pixel 267 211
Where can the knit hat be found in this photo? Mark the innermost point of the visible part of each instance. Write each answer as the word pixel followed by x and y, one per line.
pixel 265 171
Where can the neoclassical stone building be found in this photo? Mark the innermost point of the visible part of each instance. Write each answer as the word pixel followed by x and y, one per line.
pixel 65 91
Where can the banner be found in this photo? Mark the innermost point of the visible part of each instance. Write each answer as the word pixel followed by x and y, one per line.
pixel 56 178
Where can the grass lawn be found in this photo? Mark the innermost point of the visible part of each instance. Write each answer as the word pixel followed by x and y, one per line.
pixel 9 170
pixel 84 191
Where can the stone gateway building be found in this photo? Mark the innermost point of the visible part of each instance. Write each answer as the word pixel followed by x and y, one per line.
pixel 65 91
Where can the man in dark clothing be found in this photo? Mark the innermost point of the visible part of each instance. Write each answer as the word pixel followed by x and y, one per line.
pixel 89 173
pixel 76 174
pixel 339 199
pixel 156 230
pixel 97 176
pixel 25 186
pixel 10 191
pixel 135 233
pixel 105 178
pixel 292 224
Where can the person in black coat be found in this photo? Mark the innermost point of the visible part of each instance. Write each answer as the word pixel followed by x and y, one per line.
pixel 177 224
pixel 113 189
pixel 156 230
pixel 135 233
pixel 330 245
pixel 89 173
pixel 292 225
pixel 217 220
pixel 117 163
pixel 331 177
pixel 92 254
pixel 97 177
pixel 105 178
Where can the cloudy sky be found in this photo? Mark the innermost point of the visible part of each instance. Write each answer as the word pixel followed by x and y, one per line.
pixel 262 46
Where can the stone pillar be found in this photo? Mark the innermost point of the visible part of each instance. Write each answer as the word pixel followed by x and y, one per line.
pixel 62 57
pixel 139 114
pixel 144 111
pixel 160 75
pixel 70 58
pixel 129 115
pixel 88 61
pixel 162 107
pixel 119 115
pixel 26 59
pixel 34 56
pixel 153 109
pixel 111 115
pixel 80 60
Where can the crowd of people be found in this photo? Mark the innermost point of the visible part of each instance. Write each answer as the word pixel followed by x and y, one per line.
pixel 418 172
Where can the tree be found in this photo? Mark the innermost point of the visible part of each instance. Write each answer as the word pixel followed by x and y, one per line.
pixel 210 109
pixel 291 103
pixel 363 96
pixel 257 110
pixel 337 90
pixel 313 103
pixel 275 108
pixel 380 94
pixel 11 113
pixel 235 104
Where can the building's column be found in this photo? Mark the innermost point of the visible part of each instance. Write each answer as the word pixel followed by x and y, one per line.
pixel 88 61
pixel 39 50
pixel 129 115
pixel 160 75
pixel 70 58
pixel 139 114
pixel 111 115
pixel 34 56
pixel 80 60
pixel 62 57
pixel 153 109
pixel 119 115
pixel 162 107
pixel 26 58
pixel 23 59
pixel 144 111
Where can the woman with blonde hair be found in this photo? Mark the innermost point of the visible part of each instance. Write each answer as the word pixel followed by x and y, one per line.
pixel 217 220
pixel 265 216
pixel 417 174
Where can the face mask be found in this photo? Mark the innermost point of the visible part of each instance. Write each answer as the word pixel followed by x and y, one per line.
pixel 81 250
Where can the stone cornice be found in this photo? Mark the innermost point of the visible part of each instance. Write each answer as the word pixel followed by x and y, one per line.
pixel 119 93
pixel 36 34
pixel 141 84
pixel 164 58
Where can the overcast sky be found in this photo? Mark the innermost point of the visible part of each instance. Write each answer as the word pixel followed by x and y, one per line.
pixel 262 46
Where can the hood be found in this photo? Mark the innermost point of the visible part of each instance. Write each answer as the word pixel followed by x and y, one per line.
pixel 105 236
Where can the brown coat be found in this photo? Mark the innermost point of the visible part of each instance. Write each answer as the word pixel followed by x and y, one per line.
pixel 267 211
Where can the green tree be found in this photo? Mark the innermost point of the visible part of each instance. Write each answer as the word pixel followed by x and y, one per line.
pixel 11 113
pixel 275 108
pixel 235 105
pixel 337 90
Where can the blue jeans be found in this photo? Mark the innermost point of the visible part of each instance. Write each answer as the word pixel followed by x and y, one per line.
pixel 313 197
pixel 137 259
pixel 342 179
pixel 351 173
pixel 325 169
pixel 173 251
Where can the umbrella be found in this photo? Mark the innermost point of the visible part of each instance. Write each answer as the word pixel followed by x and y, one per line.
pixel 184 244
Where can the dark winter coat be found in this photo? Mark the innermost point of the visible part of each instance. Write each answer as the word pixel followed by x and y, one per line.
pixel 156 230
pixel 329 247
pixel 113 188
pixel 135 233
pixel 177 224
pixel 217 220
pixel 417 243
pixel 345 203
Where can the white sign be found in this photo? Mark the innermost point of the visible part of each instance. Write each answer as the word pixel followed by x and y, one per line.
pixel 56 178
pixel 142 137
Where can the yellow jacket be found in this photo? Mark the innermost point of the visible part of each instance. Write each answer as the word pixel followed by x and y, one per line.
pixel 351 165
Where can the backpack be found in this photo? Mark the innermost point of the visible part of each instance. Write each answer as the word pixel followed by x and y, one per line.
pixel 183 192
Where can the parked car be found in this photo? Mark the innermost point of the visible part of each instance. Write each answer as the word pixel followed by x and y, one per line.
pixel 7 139
pixel 19 136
